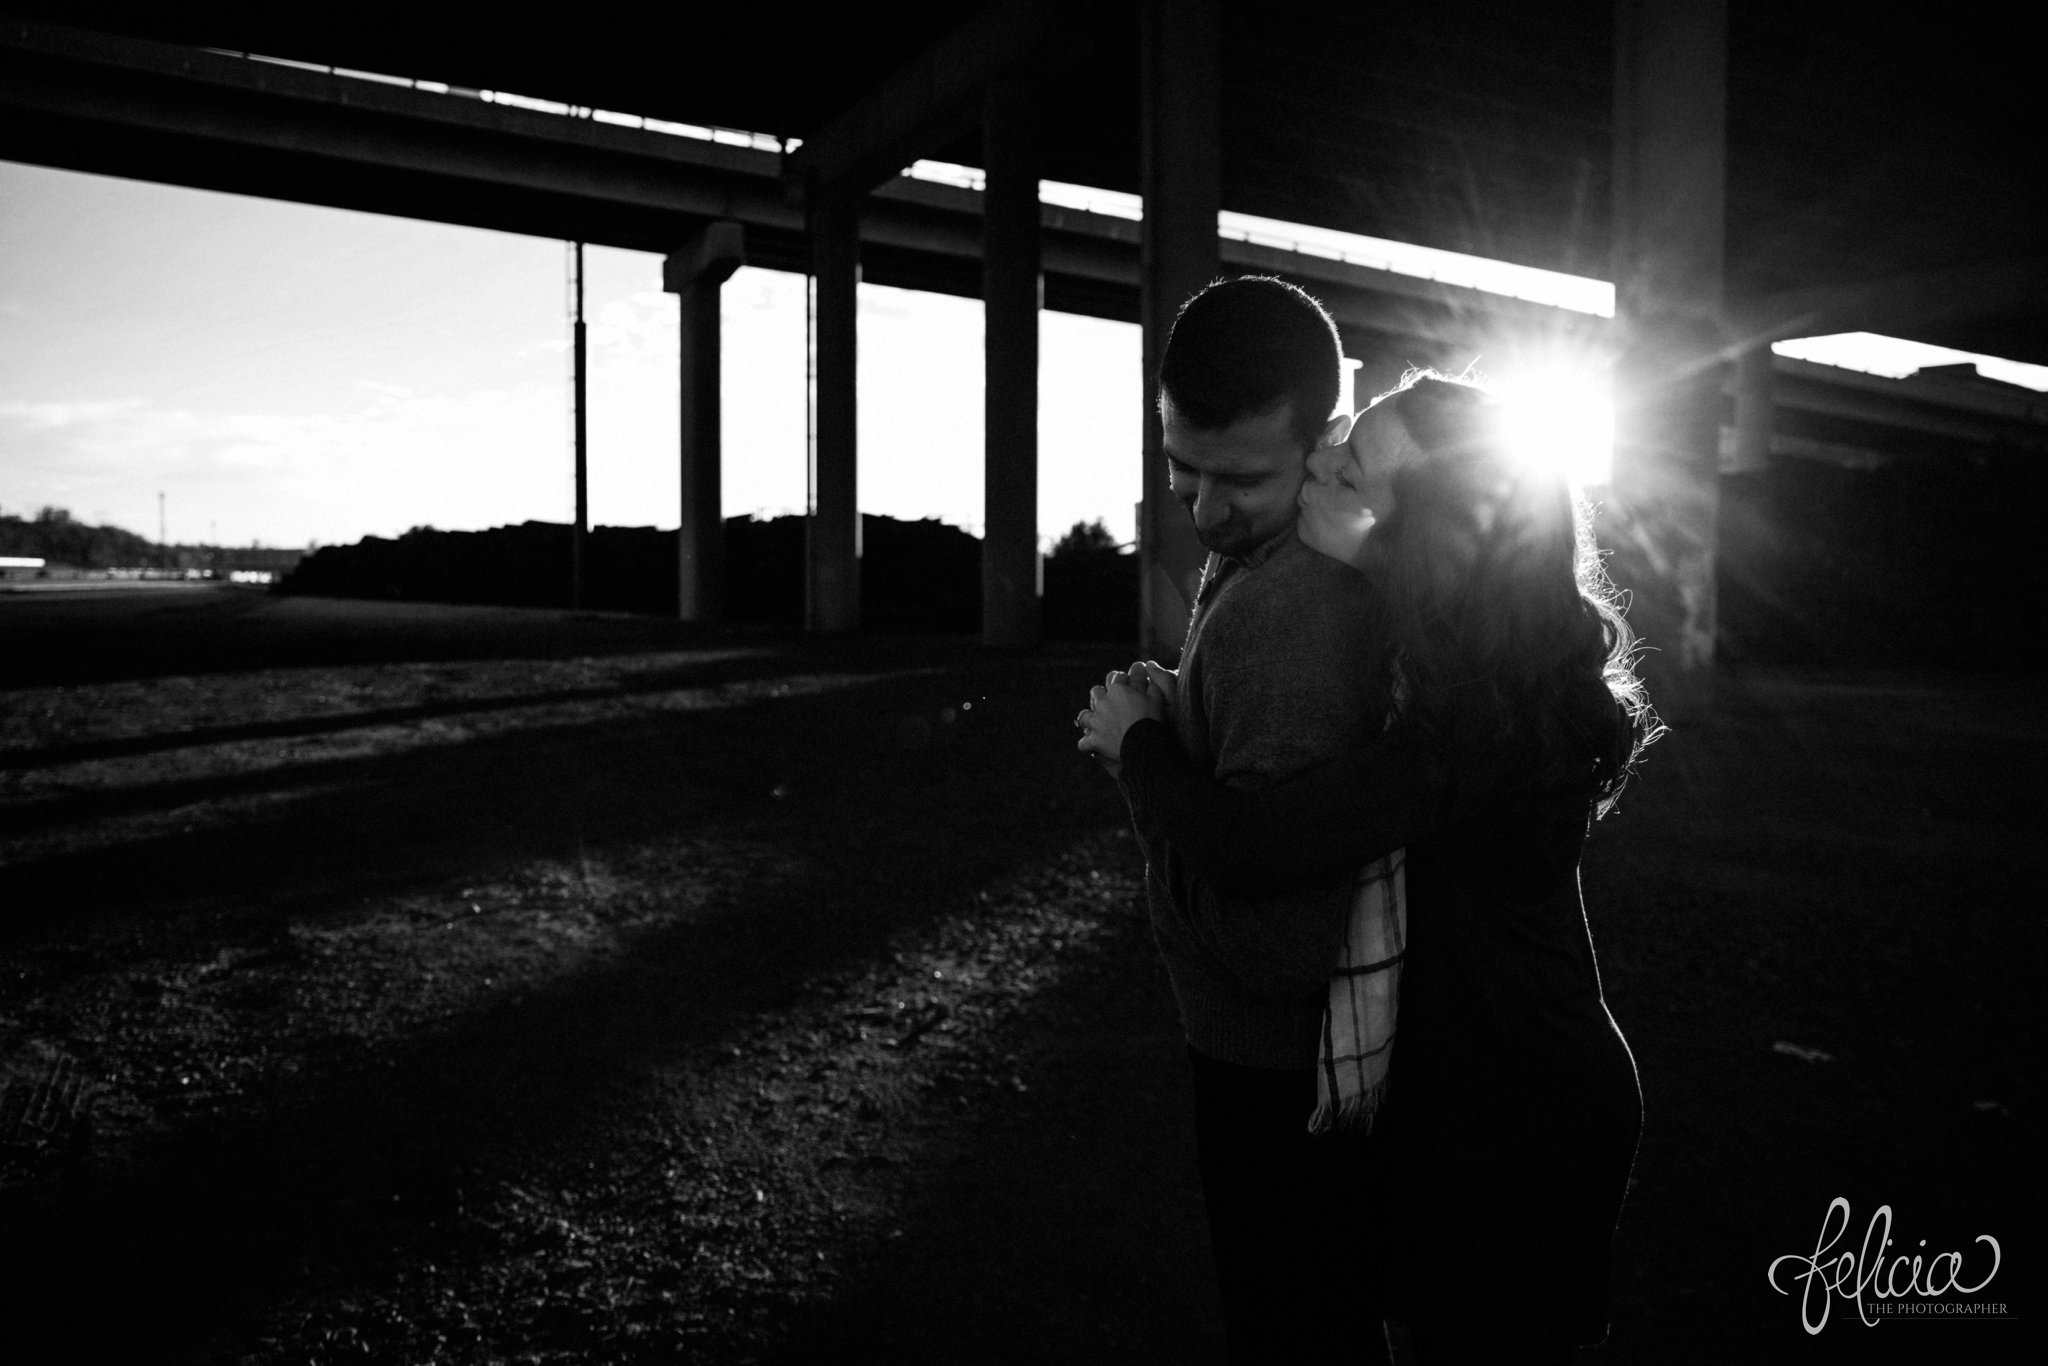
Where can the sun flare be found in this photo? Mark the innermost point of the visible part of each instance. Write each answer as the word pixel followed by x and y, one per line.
pixel 1560 417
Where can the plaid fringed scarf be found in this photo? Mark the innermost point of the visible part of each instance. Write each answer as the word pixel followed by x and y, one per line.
pixel 1358 1018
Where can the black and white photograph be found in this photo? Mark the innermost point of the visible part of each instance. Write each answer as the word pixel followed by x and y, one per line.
pixel 1170 682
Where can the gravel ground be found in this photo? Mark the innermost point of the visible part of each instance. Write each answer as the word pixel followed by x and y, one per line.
pixel 405 983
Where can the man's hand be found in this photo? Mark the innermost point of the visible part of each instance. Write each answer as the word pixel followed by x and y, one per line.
pixel 1120 701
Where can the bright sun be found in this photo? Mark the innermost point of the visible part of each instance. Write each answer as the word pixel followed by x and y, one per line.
pixel 1560 417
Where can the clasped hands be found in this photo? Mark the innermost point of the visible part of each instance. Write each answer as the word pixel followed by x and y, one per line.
pixel 1122 699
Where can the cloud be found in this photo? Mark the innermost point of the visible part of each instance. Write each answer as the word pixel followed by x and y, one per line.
pixel 43 417
pixel 639 333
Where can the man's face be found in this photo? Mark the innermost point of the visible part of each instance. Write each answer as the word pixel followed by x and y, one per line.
pixel 1239 483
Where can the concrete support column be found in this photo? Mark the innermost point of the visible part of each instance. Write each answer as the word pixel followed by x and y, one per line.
pixel 1012 293
pixel 832 598
pixel 1670 123
pixel 1749 450
pixel 695 274
pixel 1182 179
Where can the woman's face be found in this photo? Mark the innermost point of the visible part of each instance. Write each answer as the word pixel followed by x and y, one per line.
pixel 1350 486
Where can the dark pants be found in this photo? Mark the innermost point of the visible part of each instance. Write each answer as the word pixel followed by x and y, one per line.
pixel 1295 1241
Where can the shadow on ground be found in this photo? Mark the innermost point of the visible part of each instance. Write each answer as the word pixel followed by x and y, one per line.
pixel 772 824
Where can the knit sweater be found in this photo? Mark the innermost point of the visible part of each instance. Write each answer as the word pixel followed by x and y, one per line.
pixel 1271 684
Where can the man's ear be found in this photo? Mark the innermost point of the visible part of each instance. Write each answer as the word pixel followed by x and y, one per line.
pixel 1336 433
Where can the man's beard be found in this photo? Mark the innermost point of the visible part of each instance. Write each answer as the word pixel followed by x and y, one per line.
pixel 1233 537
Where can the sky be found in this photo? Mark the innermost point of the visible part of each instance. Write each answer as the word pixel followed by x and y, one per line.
pixel 290 374
pixel 285 374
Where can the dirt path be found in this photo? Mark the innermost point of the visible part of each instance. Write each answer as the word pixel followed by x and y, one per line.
pixel 603 1007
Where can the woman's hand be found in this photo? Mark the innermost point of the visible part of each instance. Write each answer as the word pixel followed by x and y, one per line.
pixel 1165 680
pixel 1121 700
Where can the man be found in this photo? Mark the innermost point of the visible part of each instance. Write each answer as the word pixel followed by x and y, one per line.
pixel 1270 683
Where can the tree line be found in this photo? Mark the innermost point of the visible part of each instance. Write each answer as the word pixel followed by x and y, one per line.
pixel 917 577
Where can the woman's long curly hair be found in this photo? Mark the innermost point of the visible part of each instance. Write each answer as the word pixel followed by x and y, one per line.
pixel 1505 636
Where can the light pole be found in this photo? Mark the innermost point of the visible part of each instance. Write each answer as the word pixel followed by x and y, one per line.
pixel 576 535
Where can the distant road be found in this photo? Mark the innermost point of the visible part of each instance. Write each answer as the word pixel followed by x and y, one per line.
pixel 104 585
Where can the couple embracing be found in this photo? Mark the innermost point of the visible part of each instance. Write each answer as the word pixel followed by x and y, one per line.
pixel 1405 694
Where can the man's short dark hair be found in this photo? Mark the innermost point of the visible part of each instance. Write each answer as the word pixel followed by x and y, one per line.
pixel 1240 348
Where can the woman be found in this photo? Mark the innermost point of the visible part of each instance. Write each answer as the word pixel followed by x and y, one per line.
pixel 1502 1150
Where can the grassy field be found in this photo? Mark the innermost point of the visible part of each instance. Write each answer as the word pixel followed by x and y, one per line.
pixel 414 983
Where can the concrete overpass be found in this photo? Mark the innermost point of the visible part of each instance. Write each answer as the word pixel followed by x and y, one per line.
pixel 1631 104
